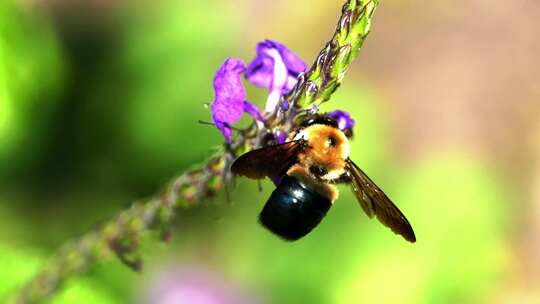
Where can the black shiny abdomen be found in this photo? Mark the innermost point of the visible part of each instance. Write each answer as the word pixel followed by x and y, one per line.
pixel 293 209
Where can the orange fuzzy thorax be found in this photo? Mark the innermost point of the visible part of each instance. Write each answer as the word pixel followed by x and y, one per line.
pixel 327 147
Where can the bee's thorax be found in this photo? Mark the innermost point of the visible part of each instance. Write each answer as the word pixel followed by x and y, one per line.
pixel 327 148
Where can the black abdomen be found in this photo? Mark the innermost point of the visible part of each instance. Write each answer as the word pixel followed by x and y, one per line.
pixel 293 209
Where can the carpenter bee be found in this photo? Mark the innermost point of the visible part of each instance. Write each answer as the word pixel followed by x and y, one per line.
pixel 307 167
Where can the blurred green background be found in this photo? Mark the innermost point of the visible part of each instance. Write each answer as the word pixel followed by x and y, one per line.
pixel 99 102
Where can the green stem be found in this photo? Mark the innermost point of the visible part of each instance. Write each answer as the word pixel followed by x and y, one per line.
pixel 122 235
pixel 328 70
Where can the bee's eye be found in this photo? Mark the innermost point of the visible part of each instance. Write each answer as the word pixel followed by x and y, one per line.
pixel 331 141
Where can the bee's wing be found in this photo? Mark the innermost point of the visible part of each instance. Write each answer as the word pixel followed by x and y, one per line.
pixel 271 161
pixel 375 202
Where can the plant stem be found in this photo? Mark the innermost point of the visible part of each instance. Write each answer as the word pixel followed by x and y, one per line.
pixel 122 235
pixel 328 70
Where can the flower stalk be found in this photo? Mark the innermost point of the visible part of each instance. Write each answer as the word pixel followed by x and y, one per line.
pixel 326 74
pixel 122 235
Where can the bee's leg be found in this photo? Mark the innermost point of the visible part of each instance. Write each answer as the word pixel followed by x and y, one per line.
pixel 342 179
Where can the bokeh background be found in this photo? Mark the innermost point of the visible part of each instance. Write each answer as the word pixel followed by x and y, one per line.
pixel 99 102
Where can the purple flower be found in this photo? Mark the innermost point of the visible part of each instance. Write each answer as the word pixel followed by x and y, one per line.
pixel 276 68
pixel 194 285
pixel 230 97
pixel 343 119
pixel 280 137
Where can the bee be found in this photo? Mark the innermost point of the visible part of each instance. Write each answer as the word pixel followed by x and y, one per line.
pixel 307 168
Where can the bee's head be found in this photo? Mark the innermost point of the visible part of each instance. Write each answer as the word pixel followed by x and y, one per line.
pixel 327 148
pixel 319 119
pixel 337 119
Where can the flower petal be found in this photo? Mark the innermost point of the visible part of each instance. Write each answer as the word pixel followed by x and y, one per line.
pixel 261 71
pixel 267 71
pixel 280 137
pixel 343 119
pixel 294 63
pixel 253 111
pixel 230 95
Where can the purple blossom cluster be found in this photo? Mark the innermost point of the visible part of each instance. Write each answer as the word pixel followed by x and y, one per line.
pixel 194 284
pixel 275 68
